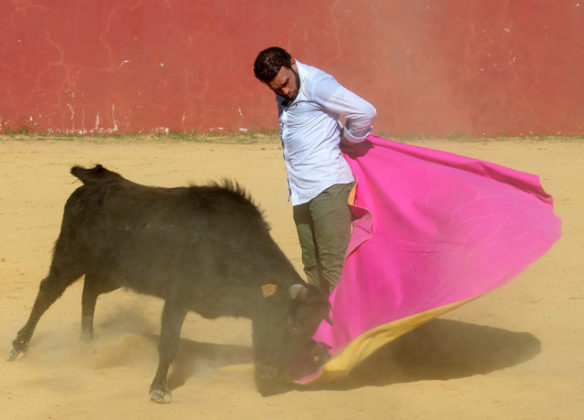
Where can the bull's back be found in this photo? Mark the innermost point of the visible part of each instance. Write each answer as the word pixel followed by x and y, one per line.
pixel 151 239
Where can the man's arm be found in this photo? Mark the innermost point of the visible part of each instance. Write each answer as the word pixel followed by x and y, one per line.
pixel 358 113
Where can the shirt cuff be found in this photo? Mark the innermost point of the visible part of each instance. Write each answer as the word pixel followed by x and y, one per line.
pixel 351 138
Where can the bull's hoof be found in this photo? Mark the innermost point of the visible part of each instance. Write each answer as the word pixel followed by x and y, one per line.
pixel 268 389
pixel 14 354
pixel 271 386
pixel 160 396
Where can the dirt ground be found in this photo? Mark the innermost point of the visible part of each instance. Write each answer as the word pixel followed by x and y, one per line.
pixel 513 354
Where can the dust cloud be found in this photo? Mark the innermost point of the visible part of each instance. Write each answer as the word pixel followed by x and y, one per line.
pixel 514 353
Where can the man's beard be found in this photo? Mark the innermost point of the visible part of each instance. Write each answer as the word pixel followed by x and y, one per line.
pixel 290 100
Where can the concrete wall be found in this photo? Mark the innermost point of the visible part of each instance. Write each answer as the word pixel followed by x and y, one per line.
pixel 431 67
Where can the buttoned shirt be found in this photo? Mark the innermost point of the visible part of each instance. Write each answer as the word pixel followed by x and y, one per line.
pixel 311 133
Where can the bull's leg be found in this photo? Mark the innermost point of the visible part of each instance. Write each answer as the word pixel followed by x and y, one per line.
pixel 66 267
pixel 173 316
pixel 51 288
pixel 94 286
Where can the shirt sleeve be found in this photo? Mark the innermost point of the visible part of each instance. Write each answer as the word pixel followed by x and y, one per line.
pixel 358 113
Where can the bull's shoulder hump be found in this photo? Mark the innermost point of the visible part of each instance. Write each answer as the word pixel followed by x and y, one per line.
pixel 233 188
pixel 229 195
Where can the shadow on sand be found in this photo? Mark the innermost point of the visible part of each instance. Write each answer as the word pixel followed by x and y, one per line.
pixel 442 349
pixel 193 356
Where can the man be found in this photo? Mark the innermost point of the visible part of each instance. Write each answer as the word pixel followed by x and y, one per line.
pixel 310 104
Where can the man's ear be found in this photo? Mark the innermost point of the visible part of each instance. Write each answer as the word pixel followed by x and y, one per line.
pixel 293 65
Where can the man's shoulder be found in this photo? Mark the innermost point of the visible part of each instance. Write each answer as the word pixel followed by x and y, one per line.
pixel 314 79
pixel 311 72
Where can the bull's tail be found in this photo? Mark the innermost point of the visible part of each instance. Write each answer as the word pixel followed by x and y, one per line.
pixel 97 173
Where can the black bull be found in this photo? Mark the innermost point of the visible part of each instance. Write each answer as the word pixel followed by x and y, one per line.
pixel 200 248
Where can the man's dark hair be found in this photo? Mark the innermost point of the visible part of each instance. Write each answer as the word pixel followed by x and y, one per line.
pixel 269 62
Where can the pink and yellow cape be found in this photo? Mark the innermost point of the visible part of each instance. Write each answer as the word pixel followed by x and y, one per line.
pixel 431 231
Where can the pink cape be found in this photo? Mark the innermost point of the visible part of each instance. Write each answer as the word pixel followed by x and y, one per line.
pixel 431 231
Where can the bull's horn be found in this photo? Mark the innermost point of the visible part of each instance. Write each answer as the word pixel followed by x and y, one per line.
pixel 298 291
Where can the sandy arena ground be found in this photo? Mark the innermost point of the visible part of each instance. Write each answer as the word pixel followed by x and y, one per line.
pixel 514 354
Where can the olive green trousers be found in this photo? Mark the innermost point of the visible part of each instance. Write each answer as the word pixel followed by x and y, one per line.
pixel 324 230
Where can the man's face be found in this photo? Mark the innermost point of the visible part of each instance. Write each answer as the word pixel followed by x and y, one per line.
pixel 286 83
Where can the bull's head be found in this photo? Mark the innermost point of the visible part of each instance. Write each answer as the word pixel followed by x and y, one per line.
pixel 285 325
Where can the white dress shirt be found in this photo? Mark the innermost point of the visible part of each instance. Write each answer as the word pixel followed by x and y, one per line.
pixel 311 133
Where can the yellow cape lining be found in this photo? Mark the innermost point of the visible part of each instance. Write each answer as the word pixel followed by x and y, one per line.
pixel 366 344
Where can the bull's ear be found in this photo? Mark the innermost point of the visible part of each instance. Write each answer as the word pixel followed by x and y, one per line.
pixel 298 291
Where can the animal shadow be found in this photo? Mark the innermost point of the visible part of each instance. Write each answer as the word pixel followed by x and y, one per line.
pixel 440 350
pixel 195 356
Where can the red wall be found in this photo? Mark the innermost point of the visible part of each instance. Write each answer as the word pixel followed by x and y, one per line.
pixel 431 67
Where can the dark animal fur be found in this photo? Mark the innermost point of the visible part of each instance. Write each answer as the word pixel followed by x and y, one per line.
pixel 200 248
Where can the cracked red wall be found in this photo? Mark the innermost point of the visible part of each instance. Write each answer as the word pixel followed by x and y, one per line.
pixel 431 67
